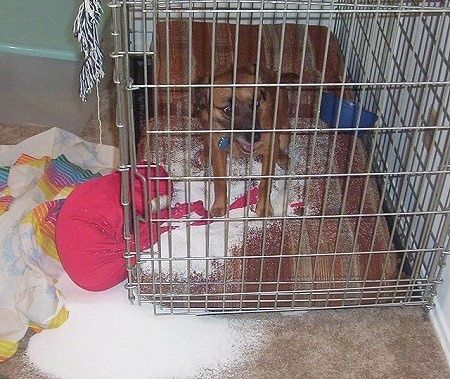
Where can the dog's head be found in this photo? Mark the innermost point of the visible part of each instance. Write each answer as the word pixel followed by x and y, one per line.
pixel 237 109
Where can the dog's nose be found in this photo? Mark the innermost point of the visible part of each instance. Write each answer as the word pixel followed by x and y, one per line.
pixel 255 136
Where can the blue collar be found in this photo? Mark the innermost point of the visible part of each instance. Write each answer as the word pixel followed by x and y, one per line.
pixel 224 142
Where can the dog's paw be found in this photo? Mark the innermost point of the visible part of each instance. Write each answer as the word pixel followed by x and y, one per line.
pixel 218 210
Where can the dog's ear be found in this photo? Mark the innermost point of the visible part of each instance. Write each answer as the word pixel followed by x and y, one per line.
pixel 264 78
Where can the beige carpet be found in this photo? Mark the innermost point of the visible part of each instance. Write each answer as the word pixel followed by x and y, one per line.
pixel 353 343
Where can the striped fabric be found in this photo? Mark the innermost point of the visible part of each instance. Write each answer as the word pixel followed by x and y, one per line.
pixel 5 196
pixel 48 182
pixel 7 349
pixel 54 322
pixel 29 160
pixel 61 173
pixel 5 201
pixel 43 221
pixel 4 173
pixel 58 180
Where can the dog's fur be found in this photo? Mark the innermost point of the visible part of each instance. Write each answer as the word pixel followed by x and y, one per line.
pixel 252 133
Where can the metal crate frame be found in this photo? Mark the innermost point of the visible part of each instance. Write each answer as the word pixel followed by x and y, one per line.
pixel 396 61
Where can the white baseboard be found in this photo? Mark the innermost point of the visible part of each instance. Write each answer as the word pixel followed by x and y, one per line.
pixel 442 326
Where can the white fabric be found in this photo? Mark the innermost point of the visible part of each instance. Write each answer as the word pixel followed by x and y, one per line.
pixel 27 280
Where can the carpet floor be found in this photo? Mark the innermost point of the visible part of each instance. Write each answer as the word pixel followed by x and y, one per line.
pixel 388 343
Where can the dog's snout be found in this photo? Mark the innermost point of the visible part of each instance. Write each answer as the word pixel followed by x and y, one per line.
pixel 251 127
pixel 253 137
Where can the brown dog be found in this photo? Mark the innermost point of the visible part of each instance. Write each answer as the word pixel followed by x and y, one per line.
pixel 253 132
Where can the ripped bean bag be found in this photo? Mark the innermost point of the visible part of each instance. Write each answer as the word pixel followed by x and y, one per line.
pixel 89 228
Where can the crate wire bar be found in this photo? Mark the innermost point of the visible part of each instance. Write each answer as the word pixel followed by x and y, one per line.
pixel 372 220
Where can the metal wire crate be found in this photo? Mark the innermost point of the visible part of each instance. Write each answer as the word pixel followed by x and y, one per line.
pixel 362 214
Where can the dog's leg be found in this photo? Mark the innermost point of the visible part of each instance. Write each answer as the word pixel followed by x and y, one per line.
pixel 283 160
pixel 219 165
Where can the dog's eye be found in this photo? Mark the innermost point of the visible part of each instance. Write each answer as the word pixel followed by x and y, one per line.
pixel 227 110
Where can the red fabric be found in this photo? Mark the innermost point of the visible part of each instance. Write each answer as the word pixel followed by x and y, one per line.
pixel 89 230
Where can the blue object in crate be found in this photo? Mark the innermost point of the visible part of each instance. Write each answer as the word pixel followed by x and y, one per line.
pixel 348 118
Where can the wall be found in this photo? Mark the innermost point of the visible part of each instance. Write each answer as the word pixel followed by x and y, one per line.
pixel 42 28
pixel 40 63
pixel 441 314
